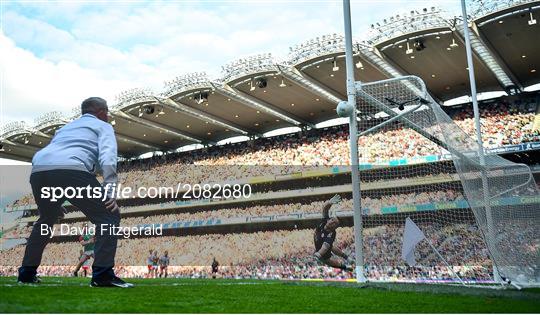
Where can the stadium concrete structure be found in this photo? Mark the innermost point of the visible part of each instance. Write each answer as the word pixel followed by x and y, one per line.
pixel 262 93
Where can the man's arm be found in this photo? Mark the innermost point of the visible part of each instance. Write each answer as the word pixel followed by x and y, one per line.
pixel 323 250
pixel 329 203
pixel 108 152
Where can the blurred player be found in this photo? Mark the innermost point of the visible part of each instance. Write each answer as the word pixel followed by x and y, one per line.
pixel 155 260
pixel 215 266
pixel 164 264
pixel 86 264
pixel 150 263
pixel 87 241
pixel 324 237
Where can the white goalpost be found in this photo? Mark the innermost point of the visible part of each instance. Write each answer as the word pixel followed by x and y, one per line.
pixel 353 143
pixel 478 128
pixel 479 211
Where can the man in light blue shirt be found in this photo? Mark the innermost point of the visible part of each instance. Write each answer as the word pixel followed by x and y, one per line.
pixel 65 170
pixel 85 144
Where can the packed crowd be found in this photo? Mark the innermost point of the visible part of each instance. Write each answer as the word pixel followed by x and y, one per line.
pixel 20 231
pixel 502 124
pixel 24 201
pixel 371 205
pixel 286 254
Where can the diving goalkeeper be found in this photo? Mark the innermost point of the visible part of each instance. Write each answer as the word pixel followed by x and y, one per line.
pixel 324 237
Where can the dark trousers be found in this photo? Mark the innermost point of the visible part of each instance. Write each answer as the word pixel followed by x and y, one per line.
pixel 49 211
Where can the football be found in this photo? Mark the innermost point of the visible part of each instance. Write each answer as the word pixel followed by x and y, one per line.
pixel 344 109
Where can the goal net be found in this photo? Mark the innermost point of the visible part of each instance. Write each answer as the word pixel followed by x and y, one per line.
pixel 480 211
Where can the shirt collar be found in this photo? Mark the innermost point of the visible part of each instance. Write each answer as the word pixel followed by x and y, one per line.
pixel 88 115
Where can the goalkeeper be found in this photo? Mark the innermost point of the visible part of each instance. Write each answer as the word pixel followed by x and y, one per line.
pixel 325 234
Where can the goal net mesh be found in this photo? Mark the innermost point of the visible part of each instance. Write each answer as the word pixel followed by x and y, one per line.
pixel 478 211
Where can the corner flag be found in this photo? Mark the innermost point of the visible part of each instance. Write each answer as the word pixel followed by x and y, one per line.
pixel 411 237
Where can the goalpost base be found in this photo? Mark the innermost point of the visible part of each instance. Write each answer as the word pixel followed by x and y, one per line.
pixel 360 278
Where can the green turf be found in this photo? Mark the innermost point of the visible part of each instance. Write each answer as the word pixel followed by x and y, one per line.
pixel 73 295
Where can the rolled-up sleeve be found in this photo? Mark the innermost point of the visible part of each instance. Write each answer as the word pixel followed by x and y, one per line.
pixel 108 154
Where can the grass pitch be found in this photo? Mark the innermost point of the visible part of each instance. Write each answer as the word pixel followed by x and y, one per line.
pixel 73 295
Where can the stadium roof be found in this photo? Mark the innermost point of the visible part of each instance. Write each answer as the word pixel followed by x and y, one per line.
pixel 262 93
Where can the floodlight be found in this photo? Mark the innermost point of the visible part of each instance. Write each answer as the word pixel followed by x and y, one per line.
pixel 419 45
pixel 261 83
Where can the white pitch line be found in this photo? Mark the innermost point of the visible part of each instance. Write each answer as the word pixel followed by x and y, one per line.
pixel 136 285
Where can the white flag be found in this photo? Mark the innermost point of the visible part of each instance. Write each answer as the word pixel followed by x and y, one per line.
pixel 411 237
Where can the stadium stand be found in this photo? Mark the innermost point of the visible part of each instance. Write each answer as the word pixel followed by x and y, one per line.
pixel 286 253
pixel 503 124
pixel 282 254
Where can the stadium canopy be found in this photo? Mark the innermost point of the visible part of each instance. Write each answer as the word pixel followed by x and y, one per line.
pixel 261 93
